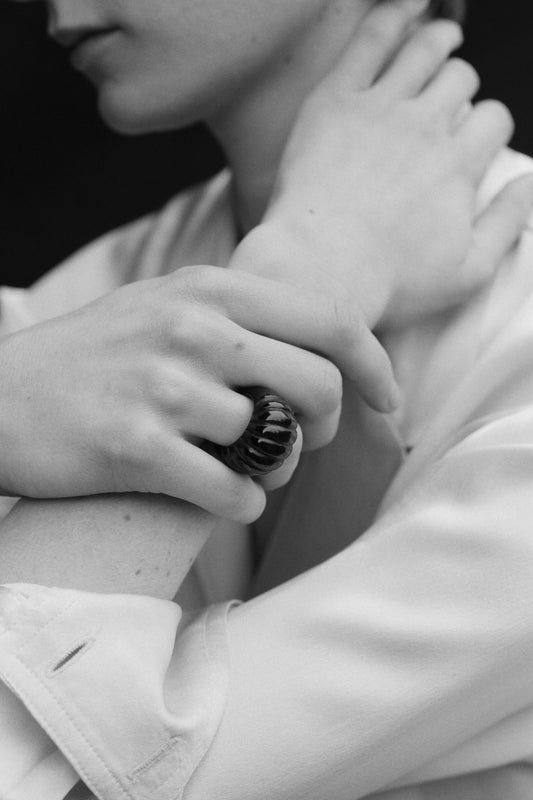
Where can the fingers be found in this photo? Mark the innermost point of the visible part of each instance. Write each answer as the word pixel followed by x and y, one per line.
pixel 311 385
pixel 420 58
pixel 304 319
pixel 372 372
pixel 454 86
pixel 183 470
pixel 335 329
pixel 215 412
pixel 377 38
pixel 497 231
pixel 487 129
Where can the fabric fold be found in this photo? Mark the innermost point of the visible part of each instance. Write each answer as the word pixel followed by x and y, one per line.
pixel 118 682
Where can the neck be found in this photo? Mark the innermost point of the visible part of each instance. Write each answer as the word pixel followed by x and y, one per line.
pixel 253 130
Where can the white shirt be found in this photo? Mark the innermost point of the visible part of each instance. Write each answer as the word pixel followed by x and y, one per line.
pixel 398 663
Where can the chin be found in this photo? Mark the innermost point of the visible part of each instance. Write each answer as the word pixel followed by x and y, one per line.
pixel 130 118
pixel 132 114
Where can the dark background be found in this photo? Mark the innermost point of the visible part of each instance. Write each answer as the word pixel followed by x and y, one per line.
pixel 66 178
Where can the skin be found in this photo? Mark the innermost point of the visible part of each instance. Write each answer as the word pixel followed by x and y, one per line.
pixel 153 73
pixel 263 102
pixel 253 124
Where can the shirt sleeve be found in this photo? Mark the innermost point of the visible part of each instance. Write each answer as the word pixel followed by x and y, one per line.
pixel 122 692
pixel 98 268
pixel 31 767
pixel 404 658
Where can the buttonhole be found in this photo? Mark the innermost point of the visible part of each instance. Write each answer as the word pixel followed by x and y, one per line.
pixel 64 661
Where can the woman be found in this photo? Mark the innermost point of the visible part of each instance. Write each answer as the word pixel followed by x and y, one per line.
pixel 332 757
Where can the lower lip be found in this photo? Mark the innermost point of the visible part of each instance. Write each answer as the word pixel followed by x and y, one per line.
pixel 89 53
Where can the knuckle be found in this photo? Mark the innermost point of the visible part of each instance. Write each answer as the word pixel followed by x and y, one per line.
pixel 425 128
pixel 200 283
pixel 133 447
pixel 173 392
pixel 236 505
pixel 192 329
pixel 409 116
pixel 328 387
pixel 347 326
pixel 145 440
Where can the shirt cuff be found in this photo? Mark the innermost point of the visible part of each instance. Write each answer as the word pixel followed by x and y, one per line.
pixel 128 691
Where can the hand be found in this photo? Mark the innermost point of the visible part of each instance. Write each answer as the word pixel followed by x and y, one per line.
pixel 375 199
pixel 120 395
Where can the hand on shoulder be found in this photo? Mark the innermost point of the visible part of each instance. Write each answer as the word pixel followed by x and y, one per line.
pixel 375 198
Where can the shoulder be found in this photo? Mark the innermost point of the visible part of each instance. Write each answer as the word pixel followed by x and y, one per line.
pixel 193 227
pixel 467 375
pixel 475 360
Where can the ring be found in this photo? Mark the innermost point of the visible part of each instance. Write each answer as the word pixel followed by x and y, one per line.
pixel 267 441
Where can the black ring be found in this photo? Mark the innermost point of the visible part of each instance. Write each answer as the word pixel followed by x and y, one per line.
pixel 267 441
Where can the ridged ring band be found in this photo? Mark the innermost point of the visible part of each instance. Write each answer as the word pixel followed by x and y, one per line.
pixel 269 438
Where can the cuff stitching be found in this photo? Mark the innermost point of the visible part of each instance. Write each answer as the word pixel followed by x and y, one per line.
pixel 57 738
pixel 37 631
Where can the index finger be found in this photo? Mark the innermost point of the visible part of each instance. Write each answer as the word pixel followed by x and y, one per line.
pixel 319 322
pixel 376 40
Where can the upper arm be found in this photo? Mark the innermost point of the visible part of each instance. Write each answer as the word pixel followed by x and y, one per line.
pixel 379 662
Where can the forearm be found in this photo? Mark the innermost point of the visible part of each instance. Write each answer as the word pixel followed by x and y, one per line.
pixel 130 543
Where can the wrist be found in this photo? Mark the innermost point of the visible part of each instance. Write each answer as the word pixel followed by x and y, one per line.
pixel 270 251
pixel 300 251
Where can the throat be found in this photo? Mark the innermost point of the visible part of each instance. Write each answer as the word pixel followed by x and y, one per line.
pixel 253 145
pixel 255 125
